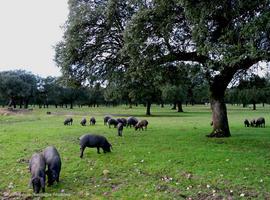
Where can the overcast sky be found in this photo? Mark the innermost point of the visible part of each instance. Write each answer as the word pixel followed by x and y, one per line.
pixel 28 31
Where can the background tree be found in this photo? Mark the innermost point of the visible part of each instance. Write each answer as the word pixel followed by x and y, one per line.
pixel 177 94
pixel 18 87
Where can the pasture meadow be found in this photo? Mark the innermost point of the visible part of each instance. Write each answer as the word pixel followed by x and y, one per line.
pixel 171 160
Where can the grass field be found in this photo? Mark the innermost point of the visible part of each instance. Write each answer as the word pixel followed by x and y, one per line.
pixel 171 160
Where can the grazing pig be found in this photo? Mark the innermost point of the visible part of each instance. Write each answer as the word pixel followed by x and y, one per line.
pixel 131 121
pixel 83 122
pixel 92 121
pixel 246 123
pixel 253 122
pixel 106 119
pixel 53 161
pixel 113 122
pixel 260 122
pixel 141 124
pixel 93 141
pixel 122 120
pixel 37 168
pixel 120 127
pixel 68 121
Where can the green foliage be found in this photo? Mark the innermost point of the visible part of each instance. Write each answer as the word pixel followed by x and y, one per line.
pixel 251 90
pixel 172 93
pixel 17 85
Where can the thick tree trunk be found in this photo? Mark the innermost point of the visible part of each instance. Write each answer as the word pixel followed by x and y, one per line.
pixel 179 106
pixel 162 105
pixel 148 108
pixel 219 118
pixel 219 111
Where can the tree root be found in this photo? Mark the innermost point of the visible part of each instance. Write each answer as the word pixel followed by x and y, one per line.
pixel 218 133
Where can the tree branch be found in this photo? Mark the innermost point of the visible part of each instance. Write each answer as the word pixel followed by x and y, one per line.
pixel 181 56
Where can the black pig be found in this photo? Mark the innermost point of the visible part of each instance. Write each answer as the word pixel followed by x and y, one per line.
pixel 131 121
pixel 53 161
pixel 94 141
pixel 37 168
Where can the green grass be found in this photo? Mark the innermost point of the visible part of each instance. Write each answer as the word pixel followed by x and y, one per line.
pixel 171 160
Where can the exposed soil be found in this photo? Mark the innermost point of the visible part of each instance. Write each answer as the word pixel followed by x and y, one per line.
pixel 13 111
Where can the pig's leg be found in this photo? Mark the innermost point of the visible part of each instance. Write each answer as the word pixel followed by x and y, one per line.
pixel 98 150
pixel 82 150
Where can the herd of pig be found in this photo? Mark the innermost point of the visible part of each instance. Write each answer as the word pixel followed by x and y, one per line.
pixel 260 122
pixel 50 158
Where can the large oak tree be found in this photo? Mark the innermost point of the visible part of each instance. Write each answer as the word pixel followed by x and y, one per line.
pixel 224 37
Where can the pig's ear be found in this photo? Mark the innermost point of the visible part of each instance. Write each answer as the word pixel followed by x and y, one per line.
pixel 42 182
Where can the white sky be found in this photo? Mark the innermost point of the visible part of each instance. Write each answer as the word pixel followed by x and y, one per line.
pixel 28 31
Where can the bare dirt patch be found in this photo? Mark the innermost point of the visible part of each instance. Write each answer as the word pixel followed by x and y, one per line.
pixel 13 111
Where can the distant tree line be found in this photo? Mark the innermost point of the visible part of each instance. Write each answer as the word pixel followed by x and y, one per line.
pixel 19 89
pixel 252 90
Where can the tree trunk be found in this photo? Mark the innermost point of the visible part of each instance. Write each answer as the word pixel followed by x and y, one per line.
pixel 21 103
pixel 179 107
pixel 26 102
pixel 219 118
pixel 12 103
pixel 218 106
pixel 263 104
pixel 162 105
pixel 254 106
pixel 148 108
pixel 71 104
pixel 129 103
